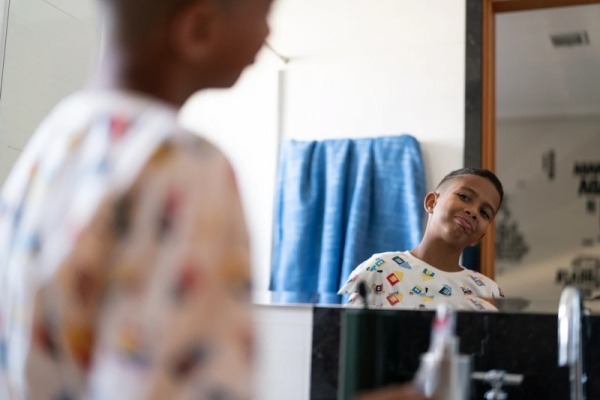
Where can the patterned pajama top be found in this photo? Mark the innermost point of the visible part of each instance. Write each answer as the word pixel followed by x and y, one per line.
pixel 400 280
pixel 124 265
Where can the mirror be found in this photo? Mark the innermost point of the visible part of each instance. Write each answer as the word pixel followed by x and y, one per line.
pixel 391 68
pixel 540 117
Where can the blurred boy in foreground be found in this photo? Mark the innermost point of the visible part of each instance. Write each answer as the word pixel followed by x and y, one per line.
pixel 124 268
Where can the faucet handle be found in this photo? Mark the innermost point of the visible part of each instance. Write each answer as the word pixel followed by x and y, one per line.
pixel 496 376
pixel 496 379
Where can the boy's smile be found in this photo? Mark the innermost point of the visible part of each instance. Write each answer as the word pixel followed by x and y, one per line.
pixel 464 222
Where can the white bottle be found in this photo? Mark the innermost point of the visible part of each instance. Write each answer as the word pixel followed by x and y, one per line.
pixel 444 374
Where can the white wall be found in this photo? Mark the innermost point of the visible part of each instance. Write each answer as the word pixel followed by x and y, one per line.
pixel 357 68
pixel 50 48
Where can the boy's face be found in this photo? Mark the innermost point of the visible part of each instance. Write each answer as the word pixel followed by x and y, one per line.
pixel 241 30
pixel 462 209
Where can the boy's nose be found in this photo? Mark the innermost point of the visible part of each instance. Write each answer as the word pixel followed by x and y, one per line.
pixel 471 214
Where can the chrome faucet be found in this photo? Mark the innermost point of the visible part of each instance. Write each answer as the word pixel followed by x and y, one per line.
pixel 570 346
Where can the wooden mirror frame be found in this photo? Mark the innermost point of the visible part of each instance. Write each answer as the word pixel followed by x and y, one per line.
pixel 480 116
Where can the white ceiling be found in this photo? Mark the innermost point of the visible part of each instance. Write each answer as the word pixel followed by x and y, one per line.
pixel 535 79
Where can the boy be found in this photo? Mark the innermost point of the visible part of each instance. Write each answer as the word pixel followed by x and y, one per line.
pixel 460 210
pixel 124 258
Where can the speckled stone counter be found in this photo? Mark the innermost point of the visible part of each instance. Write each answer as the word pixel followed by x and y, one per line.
pixel 523 344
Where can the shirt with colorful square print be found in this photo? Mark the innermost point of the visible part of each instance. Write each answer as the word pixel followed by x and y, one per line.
pixel 124 267
pixel 400 280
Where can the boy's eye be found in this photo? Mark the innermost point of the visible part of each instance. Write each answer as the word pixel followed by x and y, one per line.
pixel 485 214
pixel 463 196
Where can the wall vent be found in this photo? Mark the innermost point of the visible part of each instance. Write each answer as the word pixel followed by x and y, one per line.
pixel 570 39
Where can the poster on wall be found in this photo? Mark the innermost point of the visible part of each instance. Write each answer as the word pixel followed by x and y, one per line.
pixel 548 229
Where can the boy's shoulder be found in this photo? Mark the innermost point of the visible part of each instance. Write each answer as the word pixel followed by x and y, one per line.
pixel 388 255
pixel 402 258
pixel 476 275
pixel 387 260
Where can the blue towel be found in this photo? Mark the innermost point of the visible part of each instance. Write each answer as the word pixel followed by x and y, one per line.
pixel 338 202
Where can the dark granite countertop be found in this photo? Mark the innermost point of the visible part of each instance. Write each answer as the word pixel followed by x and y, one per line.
pixel 525 344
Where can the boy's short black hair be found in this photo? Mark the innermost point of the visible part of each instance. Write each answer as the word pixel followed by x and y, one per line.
pixel 484 173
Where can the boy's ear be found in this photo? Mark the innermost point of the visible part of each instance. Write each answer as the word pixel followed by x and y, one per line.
pixel 191 29
pixel 430 201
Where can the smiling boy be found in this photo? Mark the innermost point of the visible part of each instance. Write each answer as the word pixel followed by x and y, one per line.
pixel 460 211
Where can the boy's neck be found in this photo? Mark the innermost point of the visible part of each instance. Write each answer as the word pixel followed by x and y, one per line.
pixel 114 77
pixel 438 255
pixel 156 78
